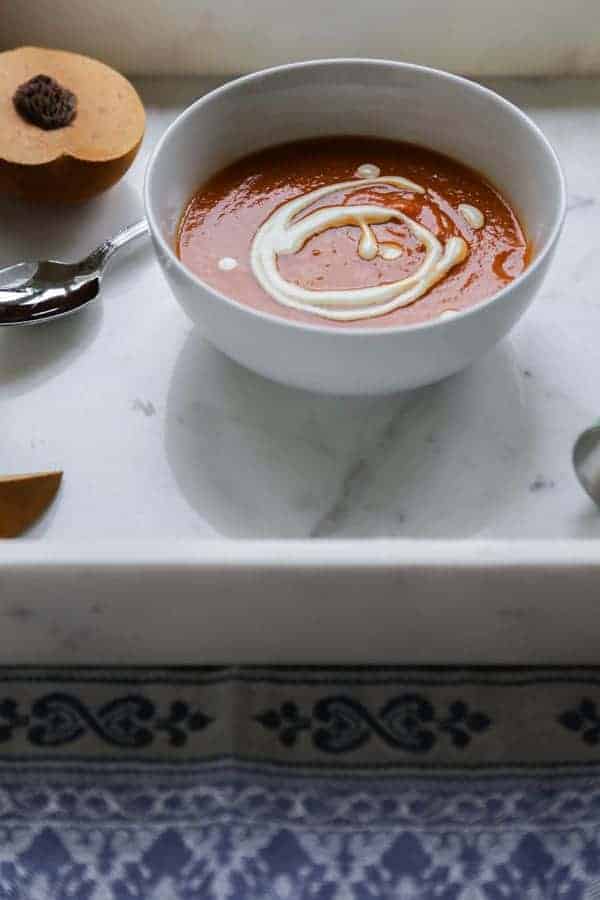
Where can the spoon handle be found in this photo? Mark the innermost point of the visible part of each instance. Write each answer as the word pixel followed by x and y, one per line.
pixel 129 233
pixel 99 257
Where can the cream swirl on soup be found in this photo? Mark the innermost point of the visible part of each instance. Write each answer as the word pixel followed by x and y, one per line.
pixel 284 233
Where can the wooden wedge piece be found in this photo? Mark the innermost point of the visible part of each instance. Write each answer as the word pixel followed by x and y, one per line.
pixel 23 499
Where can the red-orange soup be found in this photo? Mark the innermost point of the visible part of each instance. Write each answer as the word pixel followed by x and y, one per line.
pixel 223 217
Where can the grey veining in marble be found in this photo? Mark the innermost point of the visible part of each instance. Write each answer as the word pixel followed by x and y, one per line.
pixel 162 437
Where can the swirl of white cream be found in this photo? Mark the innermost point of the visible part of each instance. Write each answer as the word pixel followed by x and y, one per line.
pixel 279 234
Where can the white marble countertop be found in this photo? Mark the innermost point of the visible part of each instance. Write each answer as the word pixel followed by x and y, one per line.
pixel 163 442
pixel 161 437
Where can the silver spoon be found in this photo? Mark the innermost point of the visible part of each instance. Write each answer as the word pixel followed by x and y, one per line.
pixel 586 460
pixel 33 292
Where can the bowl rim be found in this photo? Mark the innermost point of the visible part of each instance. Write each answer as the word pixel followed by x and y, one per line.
pixel 357 331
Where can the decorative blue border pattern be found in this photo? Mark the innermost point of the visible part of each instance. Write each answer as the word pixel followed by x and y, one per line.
pixel 128 721
pixel 299 784
pixel 221 836
pixel 409 722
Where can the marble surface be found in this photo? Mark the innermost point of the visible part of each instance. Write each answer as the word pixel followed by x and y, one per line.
pixel 161 437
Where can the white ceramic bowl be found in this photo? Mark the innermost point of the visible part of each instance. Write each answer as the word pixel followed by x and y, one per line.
pixel 363 97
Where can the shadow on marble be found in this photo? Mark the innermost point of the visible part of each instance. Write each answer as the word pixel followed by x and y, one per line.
pixel 257 459
pixel 586 524
pixel 36 231
pixel 30 355
pixel 173 92
pixel 544 93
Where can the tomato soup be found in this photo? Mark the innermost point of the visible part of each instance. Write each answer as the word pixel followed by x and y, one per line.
pixel 352 231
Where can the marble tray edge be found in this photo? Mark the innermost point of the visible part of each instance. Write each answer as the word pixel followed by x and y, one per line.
pixel 300 602
pixel 283 553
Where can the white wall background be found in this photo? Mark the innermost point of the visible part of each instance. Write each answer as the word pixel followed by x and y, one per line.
pixel 477 37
